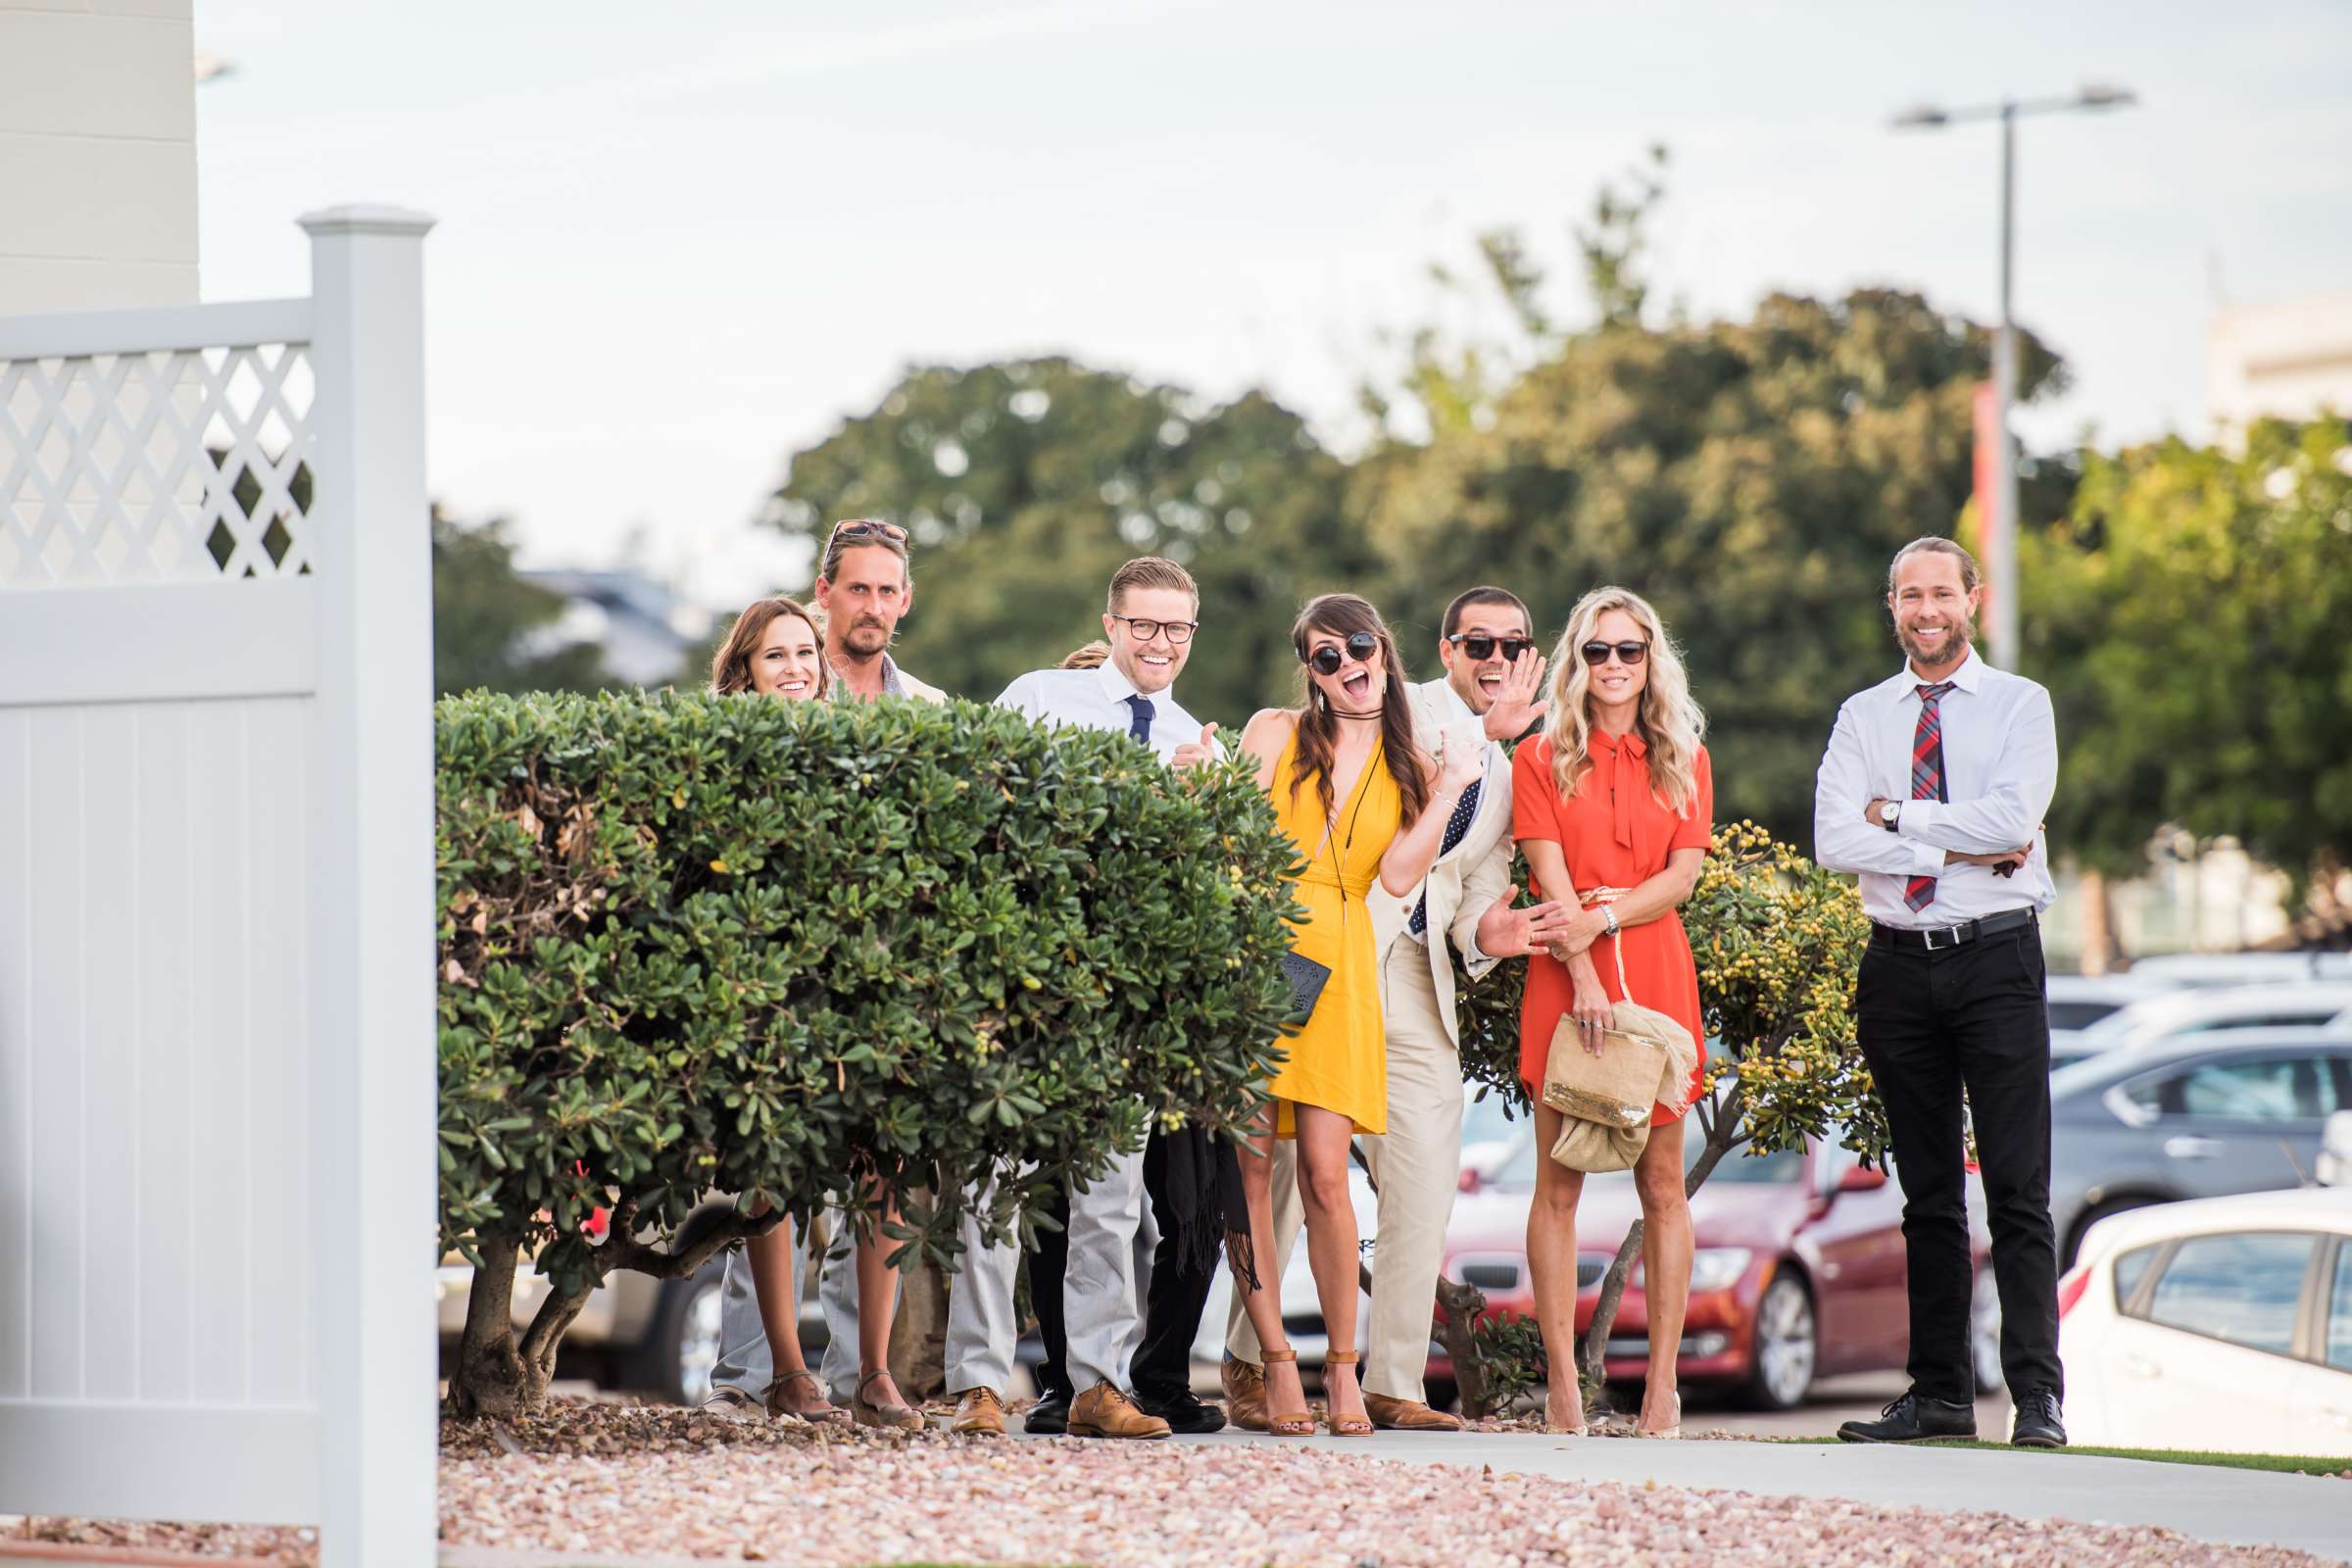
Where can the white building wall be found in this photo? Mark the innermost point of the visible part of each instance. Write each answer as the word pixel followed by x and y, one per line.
pixel 97 153
pixel 2290 360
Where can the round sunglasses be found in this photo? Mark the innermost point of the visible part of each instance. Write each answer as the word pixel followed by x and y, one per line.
pixel 1325 661
pixel 1478 645
pixel 1597 654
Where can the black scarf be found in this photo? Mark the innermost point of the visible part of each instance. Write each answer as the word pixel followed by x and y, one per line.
pixel 1198 1177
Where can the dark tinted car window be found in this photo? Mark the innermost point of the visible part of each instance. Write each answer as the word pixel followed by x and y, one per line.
pixel 2240 1288
pixel 2340 1312
pixel 2131 1269
pixel 2255 1088
pixel 2079 1014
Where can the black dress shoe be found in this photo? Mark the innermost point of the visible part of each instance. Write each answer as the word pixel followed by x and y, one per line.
pixel 1185 1413
pixel 1051 1415
pixel 1915 1418
pixel 2039 1424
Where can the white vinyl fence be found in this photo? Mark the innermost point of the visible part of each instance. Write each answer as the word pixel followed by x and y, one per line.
pixel 217 1079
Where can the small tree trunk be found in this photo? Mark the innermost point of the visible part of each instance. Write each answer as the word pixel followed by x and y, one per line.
pixel 1458 1333
pixel 491 1377
pixel 2100 948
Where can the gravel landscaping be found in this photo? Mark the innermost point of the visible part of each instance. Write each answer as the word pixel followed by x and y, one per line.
pixel 618 1479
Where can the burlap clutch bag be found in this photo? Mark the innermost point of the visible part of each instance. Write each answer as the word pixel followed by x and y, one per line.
pixel 1645 1059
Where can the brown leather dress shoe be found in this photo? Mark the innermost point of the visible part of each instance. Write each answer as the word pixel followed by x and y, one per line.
pixel 1407 1415
pixel 1102 1411
pixel 1244 1393
pixel 979 1414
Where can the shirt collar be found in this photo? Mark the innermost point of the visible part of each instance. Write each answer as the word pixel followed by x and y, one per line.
pixel 1118 688
pixel 1968 677
pixel 1455 707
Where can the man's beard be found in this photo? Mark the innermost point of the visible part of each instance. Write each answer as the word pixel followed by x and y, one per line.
pixel 1958 640
pixel 865 640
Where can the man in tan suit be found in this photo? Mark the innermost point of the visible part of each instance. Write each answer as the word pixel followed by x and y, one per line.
pixel 1490 691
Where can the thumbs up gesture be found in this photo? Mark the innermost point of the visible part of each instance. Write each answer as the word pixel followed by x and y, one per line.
pixel 1192 754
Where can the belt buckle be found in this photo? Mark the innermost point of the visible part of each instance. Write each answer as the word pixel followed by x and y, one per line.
pixel 1928 935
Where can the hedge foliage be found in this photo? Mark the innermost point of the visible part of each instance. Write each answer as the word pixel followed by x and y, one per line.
pixel 693 944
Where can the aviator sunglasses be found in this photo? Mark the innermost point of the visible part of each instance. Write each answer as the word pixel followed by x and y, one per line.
pixel 1325 661
pixel 1478 645
pixel 858 527
pixel 1597 654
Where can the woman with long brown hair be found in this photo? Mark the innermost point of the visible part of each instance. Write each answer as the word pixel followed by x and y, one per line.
pixel 1363 801
pixel 778 649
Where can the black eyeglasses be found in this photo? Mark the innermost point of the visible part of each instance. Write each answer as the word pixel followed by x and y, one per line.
pixel 858 527
pixel 1325 661
pixel 1179 631
pixel 1597 654
pixel 1478 645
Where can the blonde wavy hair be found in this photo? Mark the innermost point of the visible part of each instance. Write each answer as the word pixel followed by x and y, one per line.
pixel 1670 723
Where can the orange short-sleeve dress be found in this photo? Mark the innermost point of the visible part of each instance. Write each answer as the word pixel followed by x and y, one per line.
pixel 1614 832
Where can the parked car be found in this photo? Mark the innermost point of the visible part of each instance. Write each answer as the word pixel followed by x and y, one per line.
pixel 2302 1003
pixel 2078 1001
pixel 1799 1275
pixel 2224 1324
pixel 2201 1116
pixel 2187 969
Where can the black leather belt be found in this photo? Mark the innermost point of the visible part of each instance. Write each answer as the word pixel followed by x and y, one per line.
pixel 1937 939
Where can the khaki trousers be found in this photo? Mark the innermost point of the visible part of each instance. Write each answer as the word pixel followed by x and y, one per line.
pixel 1417 1166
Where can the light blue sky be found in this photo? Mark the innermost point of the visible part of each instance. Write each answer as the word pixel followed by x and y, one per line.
pixel 679 241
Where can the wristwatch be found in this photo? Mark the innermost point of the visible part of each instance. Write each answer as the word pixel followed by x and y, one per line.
pixel 1608 917
pixel 1887 814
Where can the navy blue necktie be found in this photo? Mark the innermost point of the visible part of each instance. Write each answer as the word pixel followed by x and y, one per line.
pixel 1455 826
pixel 1140 728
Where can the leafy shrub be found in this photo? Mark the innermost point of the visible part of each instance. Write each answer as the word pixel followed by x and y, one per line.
pixel 693 944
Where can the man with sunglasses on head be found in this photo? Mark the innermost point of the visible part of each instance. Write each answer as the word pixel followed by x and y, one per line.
pixel 864 585
pixel 1490 694
pixel 1082 1277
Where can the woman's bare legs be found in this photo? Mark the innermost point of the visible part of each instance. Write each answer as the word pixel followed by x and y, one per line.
pixel 1331 1243
pixel 877 1306
pixel 1285 1394
pixel 1666 1245
pixel 1551 1259
pixel 771 1258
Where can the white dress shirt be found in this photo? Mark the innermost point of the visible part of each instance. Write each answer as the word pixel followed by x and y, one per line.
pixel 1097 698
pixel 2000 768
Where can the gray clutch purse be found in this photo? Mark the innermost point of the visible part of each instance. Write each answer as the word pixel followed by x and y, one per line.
pixel 1306 978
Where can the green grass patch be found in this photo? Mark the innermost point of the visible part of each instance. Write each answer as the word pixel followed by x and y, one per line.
pixel 2283 1463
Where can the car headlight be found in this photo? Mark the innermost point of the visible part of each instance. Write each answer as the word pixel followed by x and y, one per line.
pixel 1718 1268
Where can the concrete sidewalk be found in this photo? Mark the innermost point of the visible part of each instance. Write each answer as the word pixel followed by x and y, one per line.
pixel 2244 1508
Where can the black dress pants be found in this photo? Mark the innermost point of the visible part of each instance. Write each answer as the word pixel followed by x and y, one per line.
pixel 1174 1296
pixel 1976 1015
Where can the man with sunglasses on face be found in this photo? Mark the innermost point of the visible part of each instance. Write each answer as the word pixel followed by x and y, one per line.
pixel 864 585
pixel 1490 694
pixel 1082 1277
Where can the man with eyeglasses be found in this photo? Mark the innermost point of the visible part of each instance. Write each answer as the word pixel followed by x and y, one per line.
pixel 864 585
pixel 1490 694
pixel 1082 1277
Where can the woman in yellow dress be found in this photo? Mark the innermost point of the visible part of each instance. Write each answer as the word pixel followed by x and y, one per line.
pixel 1363 801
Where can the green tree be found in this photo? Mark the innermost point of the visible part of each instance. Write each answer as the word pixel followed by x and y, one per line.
pixel 484 617
pixel 1025 484
pixel 2188 615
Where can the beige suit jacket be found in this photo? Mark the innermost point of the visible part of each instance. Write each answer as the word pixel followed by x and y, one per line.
pixel 1464 884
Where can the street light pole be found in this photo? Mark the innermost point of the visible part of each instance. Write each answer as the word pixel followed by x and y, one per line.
pixel 2000 528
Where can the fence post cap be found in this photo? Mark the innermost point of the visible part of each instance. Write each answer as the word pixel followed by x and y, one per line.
pixel 366 217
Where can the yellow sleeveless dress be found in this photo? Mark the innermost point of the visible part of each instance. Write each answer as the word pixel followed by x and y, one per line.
pixel 1340 1061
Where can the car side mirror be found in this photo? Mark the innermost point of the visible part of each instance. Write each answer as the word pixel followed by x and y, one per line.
pixel 1861 1179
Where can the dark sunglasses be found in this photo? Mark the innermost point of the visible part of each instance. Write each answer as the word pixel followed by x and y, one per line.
pixel 1597 654
pixel 1478 645
pixel 1325 661
pixel 858 527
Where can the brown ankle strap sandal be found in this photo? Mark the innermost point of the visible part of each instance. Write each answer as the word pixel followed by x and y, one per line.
pixel 1287 1425
pixel 1352 1426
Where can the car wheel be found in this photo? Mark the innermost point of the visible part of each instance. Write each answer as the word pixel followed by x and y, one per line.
pixel 1787 1346
pixel 683 1346
pixel 1985 1332
pixel 2112 1205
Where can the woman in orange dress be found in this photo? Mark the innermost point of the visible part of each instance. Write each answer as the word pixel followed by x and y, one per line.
pixel 1613 806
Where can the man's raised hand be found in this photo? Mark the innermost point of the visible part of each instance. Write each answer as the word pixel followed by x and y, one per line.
pixel 1519 705
pixel 1505 931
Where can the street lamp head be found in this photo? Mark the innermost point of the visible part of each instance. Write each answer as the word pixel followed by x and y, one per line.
pixel 2103 95
pixel 1925 117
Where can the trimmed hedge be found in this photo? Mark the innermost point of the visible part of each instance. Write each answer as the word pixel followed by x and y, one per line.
pixel 694 943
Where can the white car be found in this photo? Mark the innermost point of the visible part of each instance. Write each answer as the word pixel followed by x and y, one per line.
pixel 2302 1004
pixel 2187 969
pixel 2221 1325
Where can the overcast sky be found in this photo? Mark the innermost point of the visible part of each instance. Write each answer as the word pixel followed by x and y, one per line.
pixel 678 242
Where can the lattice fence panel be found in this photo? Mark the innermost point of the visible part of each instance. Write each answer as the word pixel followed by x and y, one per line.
pixel 155 467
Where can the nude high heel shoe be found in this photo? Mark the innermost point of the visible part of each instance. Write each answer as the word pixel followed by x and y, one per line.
pixel 1287 1424
pixel 1350 1426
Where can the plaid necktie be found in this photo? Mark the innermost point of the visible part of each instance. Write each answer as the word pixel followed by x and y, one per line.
pixel 1139 728
pixel 1455 826
pixel 1927 778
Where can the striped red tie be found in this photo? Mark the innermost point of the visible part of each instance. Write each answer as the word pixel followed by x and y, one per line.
pixel 1927 778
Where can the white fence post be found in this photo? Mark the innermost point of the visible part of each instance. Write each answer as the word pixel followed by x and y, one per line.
pixel 371 985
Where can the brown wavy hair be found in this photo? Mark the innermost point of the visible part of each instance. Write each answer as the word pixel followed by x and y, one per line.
pixel 731 666
pixel 1340 615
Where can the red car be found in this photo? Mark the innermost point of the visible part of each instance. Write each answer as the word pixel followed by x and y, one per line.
pixel 1798 1271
